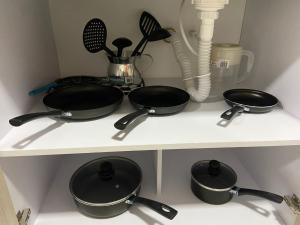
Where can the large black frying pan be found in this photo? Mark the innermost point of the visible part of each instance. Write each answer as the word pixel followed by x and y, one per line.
pixel 81 102
pixel 154 100
pixel 248 100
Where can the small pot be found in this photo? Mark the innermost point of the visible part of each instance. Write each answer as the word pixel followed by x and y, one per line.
pixel 214 182
pixel 109 186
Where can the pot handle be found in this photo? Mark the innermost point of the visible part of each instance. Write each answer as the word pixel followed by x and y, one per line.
pixel 229 114
pixel 263 194
pixel 158 207
pixel 20 120
pixel 126 120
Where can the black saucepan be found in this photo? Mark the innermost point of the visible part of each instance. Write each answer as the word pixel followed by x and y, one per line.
pixel 248 100
pixel 80 102
pixel 109 186
pixel 154 100
pixel 214 182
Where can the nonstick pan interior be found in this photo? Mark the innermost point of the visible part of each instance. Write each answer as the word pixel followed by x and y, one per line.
pixel 83 97
pixel 158 96
pixel 247 100
pixel 250 97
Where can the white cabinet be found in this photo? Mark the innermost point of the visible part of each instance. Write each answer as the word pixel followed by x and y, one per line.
pixel 41 41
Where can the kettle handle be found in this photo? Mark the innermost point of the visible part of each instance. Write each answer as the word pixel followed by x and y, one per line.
pixel 250 64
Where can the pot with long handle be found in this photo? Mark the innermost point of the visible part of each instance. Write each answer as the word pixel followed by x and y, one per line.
pixel 214 182
pixel 109 186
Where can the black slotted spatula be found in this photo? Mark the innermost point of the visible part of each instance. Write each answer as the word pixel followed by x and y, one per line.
pixel 94 37
pixel 148 24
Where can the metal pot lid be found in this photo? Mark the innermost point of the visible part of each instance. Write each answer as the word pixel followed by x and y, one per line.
pixel 105 181
pixel 214 175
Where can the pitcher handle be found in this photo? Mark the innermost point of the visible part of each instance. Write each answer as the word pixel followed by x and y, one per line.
pixel 250 64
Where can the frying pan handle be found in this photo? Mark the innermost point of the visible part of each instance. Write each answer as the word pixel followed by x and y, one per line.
pixel 158 207
pixel 229 114
pixel 263 194
pixel 126 120
pixel 20 120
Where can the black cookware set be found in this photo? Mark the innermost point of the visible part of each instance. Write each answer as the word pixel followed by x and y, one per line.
pixel 109 186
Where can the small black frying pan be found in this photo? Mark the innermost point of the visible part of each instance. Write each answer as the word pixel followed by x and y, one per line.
pixel 80 102
pixel 154 100
pixel 248 100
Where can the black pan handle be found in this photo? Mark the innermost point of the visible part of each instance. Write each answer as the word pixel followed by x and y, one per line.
pixel 229 114
pixel 126 120
pixel 158 207
pixel 20 120
pixel 263 194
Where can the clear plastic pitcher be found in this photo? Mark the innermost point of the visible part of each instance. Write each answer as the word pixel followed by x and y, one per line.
pixel 225 68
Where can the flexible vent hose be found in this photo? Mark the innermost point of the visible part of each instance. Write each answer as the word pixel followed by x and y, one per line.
pixel 199 91
pixel 198 86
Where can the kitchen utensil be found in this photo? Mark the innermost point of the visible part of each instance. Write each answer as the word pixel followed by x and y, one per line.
pixel 94 37
pixel 156 35
pixel 121 43
pixel 214 182
pixel 109 186
pixel 154 100
pixel 80 102
pixel 226 72
pixel 248 100
pixel 147 24
pixel 68 81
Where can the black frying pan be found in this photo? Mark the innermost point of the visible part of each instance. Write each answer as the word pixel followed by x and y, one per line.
pixel 154 100
pixel 80 102
pixel 247 100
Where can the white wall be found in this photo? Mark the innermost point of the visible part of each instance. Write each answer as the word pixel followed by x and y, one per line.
pixel 275 169
pixel 27 54
pixel 121 17
pixel 272 31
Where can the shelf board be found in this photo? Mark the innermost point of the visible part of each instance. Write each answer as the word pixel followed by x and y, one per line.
pixel 58 207
pixel 195 128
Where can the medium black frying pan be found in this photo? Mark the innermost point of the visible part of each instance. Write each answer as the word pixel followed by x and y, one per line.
pixel 80 102
pixel 247 100
pixel 154 100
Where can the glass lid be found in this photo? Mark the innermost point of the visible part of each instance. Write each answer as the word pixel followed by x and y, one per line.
pixel 212 174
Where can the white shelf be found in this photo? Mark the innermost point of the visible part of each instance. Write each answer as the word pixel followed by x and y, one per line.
pixel 194 128
pixel 58 207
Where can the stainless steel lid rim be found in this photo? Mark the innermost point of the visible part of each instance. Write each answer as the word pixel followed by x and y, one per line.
pixel 134 193
pixel 209 188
